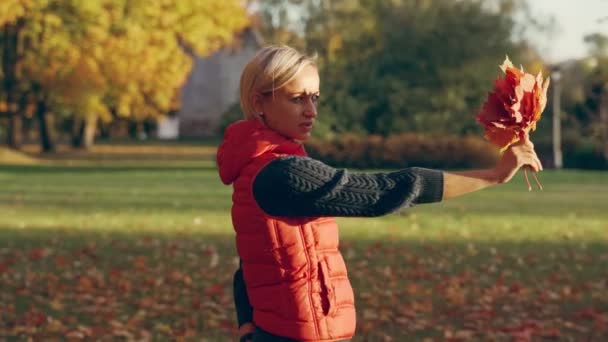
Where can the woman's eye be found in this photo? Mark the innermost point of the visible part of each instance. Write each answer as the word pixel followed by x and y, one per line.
pixel 300 99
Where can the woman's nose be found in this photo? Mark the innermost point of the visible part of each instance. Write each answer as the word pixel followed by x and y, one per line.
pixel 310 111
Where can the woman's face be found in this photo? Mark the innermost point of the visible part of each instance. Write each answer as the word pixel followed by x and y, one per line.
pixel 292 109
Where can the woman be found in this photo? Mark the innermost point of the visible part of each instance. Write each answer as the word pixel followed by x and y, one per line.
pixel 293 284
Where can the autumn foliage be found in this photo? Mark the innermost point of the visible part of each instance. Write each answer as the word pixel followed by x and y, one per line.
pixel 514 106
pixel 107 58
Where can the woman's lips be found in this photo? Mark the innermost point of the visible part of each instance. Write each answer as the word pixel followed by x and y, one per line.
pixel 306 125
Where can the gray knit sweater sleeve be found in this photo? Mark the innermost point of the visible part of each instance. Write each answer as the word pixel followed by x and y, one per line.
pixel 300 186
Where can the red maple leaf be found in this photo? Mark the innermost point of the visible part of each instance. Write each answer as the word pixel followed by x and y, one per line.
pixel 512 109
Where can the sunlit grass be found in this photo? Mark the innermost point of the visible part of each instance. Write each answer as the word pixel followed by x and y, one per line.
pixel 574 204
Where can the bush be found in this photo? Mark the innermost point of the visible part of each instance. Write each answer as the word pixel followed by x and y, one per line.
pixel 585 157
pixel 404 150
pixel 577 153
pixel 232 114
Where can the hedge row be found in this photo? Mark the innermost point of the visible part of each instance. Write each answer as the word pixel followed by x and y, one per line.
pixel 404 150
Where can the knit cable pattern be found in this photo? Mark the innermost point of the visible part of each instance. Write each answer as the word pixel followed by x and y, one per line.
pixel 300 186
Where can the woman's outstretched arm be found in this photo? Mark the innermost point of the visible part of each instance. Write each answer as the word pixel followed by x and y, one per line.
pixel 299 186
pixel 303 187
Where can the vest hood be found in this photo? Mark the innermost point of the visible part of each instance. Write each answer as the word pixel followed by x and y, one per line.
pixel 247 139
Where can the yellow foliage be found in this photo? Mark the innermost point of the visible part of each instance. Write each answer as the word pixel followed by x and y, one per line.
pixel 10 10
pixel 122 56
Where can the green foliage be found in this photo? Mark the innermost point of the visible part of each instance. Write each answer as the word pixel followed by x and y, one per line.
pixel 395 66
pixel 430 68
pixel 584 105
pixel 598 44
pixel 232 114
pixel 585 156
pixel 579 152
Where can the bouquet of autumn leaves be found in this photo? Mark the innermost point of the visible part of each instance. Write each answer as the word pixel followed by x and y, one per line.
pixel 512 109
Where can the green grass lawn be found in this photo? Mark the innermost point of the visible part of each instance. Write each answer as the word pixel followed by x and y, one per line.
pixel 111 245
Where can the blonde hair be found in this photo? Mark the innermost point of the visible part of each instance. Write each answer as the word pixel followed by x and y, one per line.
pixel 270 69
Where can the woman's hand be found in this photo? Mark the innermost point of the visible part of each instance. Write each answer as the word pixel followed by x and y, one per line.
pixel 245 331
pixel 520 154
pixel 516 156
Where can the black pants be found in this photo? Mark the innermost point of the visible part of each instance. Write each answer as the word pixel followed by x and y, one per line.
pixel 262 336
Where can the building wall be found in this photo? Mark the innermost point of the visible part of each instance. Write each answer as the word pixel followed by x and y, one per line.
pixel 212 87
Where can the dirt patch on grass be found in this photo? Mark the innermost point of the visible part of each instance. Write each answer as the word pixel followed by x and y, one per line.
pixel 127 152
pixel 11 157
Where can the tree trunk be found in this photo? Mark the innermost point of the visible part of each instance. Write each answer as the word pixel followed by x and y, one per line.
pixel 90 129
pixel 15 128
pixel 132 129
pixel 104 131
pixel 9 62
pixel 83 132
pixel 77 132
pixel 45 123
pixel 604 120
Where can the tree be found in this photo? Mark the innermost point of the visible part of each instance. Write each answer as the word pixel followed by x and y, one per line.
pixel 97 60
pixel 280 21
pixel 419 65
pixel 596 100
pixel 585 107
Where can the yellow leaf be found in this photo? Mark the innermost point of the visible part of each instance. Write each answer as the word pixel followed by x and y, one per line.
pixel 56 305
pixel 163 328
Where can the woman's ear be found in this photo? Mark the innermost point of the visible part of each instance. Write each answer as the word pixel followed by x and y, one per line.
pixel 257 101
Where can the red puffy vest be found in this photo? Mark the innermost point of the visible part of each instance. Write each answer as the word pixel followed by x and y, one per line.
pixel 294 273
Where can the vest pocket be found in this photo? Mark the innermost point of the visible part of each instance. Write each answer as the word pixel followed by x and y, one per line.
pixel 328 292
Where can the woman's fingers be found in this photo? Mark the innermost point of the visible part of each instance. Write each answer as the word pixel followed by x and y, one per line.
pixel 533 166
pixel 540 165
pixel 527 155
pixel 536 162
pixel 531 160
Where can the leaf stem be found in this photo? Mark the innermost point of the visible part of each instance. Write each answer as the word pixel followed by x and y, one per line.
pixel 527 180
pixel 540 186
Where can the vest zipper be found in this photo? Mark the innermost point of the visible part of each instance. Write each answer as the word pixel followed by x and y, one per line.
pixel 314 311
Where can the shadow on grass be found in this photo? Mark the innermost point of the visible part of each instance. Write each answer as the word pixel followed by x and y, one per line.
pixel 163 285
pixel 103 168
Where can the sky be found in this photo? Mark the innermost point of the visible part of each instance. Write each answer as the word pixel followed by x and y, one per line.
pixel 573 20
